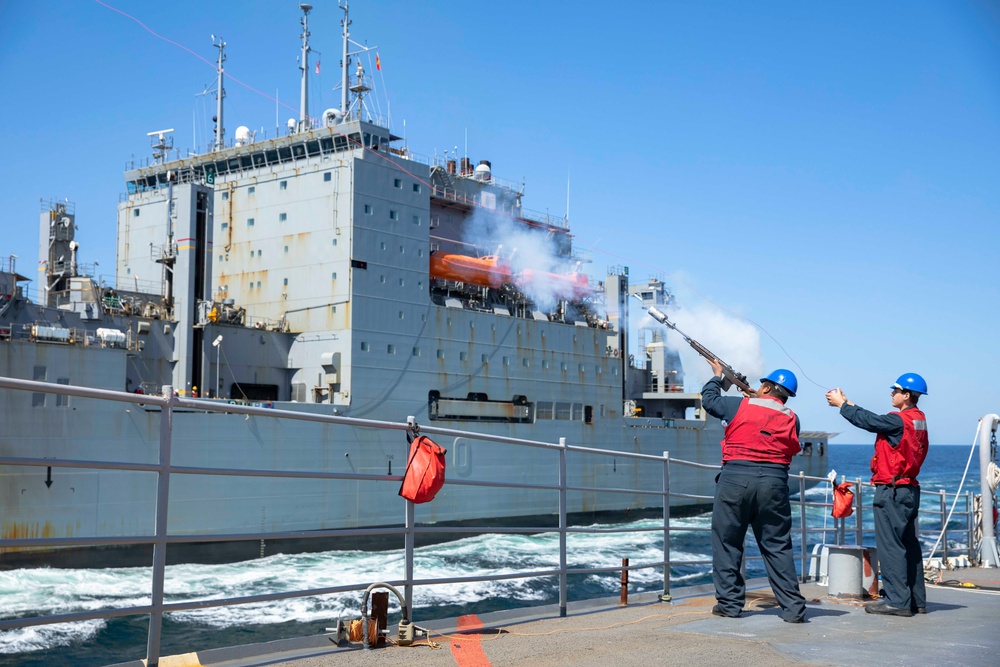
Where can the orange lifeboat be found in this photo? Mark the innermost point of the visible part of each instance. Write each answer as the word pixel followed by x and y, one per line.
pixel 568 286
pixel 487 271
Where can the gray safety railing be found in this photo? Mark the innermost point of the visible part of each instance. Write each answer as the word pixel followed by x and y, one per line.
pixel 164 469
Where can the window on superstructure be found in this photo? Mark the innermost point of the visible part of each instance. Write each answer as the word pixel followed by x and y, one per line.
pixel 563 410
pixel 62 401
pixel 597 370
pixel 416 351
pixel 440 354
pixel 393 215
pixel 249 222
pixel 577 412
pixel 285 282
pixel 402 282
pixel 258 284
pixel 135 213
pixel 581 368
pixel 505 361
pixel 381 278
pixel 225 226
pixel 333 276
pixel 486 359
pixel 286 250
pixel 364 346
pixel 390 349
pixel 382 245
pixel 251 190
pixel 259 252
pixel 334 241
pixel 368 209
pixel 463 356
pixel 282 217
pixel 401 315
pixel 545 364
pixel 543 410
pixel 225 196
pixel 525 362
pixel 402 250
pixel 397 183
pixel 416 220
pixel 562 366
pixel 327 176
pixel 416 187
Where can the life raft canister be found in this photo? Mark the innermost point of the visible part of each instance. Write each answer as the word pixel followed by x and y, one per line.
pixel 843 500
pixel 424 474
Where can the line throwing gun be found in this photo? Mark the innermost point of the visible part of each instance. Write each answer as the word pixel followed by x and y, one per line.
pixel 730 376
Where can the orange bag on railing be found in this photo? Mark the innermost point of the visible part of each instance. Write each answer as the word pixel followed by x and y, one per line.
pixel 843 500
pixel 424 474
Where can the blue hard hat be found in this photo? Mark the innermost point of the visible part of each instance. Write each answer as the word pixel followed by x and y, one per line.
pixel 911 382
pixel 785 379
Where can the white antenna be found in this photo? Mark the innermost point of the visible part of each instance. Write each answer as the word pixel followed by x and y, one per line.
pixel 220 93
pixel 160 143
pixel 304 97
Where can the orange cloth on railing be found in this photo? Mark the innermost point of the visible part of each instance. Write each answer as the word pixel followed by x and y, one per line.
pixel 843 500
pixel 424 474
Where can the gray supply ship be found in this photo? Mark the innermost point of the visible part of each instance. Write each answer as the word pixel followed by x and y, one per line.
pixel 333 271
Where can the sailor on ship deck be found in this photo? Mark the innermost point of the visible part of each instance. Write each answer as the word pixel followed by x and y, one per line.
pixel 762 436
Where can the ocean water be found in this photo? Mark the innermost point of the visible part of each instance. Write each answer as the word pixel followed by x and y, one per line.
pixel 31 592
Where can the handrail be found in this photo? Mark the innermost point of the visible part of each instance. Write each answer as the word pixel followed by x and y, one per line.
pixel 167 404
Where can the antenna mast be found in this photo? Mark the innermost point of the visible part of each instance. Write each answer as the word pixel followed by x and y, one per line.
pixel 220 93
pixel 345 62
pixel 304 97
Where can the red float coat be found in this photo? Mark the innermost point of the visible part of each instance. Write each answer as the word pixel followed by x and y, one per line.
pixel 901 464
pixel 763 430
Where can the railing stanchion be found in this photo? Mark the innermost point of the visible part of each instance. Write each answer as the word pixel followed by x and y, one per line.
pixel 802 527
pixel 968 527
pixel 859 523
pixel 160 545
pixel 562 528
pixel 944 528
pixel 408 541
pixel 666 597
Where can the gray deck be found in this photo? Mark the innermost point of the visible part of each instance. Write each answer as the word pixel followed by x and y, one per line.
pixel 960 628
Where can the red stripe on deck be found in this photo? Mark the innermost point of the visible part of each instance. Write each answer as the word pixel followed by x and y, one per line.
pixel 468 649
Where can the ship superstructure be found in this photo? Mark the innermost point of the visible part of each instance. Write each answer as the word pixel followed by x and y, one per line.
pixel 329 270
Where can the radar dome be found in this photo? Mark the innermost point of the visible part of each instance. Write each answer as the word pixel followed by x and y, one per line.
pixel 243 135
pixel 332 117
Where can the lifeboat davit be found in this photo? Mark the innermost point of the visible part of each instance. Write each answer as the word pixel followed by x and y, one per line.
pixel 569 286
pixel 487 271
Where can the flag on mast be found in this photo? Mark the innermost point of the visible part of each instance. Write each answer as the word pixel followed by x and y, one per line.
pixel 378 63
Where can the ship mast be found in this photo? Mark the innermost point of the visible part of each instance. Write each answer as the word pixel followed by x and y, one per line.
pixel 345 62
pixel 304 97
pixel 220 93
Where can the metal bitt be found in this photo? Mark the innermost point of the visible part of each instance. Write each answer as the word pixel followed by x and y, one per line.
pixel 624 596
pixel 988 555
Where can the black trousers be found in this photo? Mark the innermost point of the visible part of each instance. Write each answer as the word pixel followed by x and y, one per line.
pixel 749 494
pixel 900 560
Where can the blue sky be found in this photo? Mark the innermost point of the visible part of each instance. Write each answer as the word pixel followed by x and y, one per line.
pixel 827 170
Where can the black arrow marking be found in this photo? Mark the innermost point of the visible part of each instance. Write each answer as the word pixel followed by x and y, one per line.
pixel 48 480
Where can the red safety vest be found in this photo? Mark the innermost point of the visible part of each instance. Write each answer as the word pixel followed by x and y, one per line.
pixel 762 430
pixel 901 464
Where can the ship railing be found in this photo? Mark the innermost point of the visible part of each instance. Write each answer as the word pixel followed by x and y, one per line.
pixel 167 404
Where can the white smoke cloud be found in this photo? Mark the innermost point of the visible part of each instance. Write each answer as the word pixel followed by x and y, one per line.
pixel 525 249
pixel 731 339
